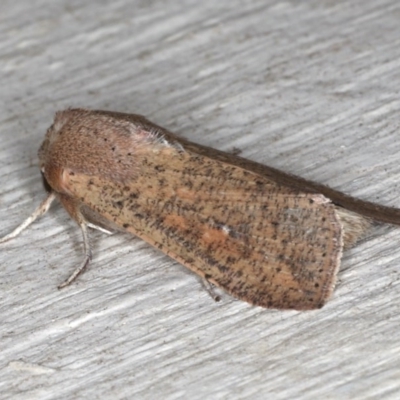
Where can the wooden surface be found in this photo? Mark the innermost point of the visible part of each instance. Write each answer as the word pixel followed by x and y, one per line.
pixel 308 87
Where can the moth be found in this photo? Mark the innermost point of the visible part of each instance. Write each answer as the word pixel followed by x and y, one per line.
pixel 264 236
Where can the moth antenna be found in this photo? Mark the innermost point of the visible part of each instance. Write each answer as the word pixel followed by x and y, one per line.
pixel 88 256
pixel 42 209
pixel 99 228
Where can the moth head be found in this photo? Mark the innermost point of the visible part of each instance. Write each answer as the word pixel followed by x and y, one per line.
pixel 52 134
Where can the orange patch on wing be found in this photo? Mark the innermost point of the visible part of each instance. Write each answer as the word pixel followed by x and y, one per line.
pixel 212 235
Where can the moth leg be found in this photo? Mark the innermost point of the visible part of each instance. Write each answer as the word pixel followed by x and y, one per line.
pixel 88 256
pixel 42 209
pixel 210 289
pixel 99 228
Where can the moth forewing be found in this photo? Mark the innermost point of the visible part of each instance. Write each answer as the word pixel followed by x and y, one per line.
pixel 241 231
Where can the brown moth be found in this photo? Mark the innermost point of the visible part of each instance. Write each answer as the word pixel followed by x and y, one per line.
pixel 266 237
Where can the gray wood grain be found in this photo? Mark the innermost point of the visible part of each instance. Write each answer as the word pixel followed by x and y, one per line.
pixel 308 87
